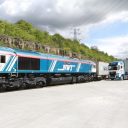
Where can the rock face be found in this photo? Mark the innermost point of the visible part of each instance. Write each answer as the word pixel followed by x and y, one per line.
pixel 20 43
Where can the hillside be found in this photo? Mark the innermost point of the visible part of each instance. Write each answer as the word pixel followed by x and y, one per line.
pixel 27 32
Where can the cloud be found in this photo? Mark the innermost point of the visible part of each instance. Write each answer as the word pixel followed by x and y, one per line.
pixel 59 14
pixel 116 46
pixel 1 1
pixel 120 16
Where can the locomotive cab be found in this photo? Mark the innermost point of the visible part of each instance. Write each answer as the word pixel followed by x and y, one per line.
pixel 2 62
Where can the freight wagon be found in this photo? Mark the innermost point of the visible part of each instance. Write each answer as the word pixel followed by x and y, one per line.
pixel 102 71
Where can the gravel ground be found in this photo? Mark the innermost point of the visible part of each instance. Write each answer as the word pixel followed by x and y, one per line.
pixel 102 104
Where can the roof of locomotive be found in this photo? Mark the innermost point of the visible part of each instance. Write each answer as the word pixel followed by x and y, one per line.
pixel 40 55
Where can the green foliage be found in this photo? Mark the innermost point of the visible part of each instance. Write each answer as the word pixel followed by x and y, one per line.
pixel 25 26
pixel 26 31
pixel 1 43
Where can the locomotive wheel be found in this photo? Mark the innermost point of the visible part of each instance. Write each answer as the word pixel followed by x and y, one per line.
pixel 2 88
pixel 41 84
pixel 24 86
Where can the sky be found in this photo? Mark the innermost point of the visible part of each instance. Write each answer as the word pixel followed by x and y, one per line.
pixel 101 23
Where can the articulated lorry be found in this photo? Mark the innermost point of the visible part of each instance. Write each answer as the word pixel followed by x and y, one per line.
pixel 118 70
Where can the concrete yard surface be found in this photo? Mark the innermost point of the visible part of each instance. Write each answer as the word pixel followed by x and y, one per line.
pixel 102 104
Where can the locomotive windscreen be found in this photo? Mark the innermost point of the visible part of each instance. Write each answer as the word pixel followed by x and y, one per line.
pixel 25 63
pixel 2 59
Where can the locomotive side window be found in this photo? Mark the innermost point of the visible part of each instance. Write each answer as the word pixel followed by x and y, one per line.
pixel 2 59
pixel 28 63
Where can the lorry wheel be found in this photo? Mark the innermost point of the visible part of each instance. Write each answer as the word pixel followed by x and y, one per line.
pixel 122 78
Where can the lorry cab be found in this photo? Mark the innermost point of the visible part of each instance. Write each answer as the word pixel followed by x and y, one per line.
pixel 116 70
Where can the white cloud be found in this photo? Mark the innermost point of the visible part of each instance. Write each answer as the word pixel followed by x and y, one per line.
pixel 116 46
pixel 1 1
pixel 61 13
pixel 120 16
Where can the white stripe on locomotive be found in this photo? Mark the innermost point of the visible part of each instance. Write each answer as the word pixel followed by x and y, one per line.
pixel 10 63
pixel 53 66
pixel 78 67
pixel 50 65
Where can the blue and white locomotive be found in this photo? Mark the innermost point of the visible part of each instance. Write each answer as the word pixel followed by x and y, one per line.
pixel 23 69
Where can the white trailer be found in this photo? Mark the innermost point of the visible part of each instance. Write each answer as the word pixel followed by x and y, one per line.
pixel 102 70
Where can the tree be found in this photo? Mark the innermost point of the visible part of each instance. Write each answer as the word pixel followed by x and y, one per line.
pixel 94 48
pixel 24 25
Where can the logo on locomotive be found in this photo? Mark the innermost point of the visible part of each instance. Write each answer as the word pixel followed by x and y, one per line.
pixel 67 68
